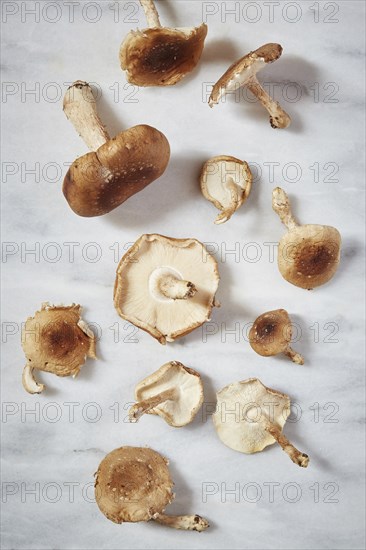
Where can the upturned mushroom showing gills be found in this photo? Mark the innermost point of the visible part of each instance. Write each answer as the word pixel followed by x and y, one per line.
pixel 308 255
pixel 166 286
pixel 55 340
pixel 271 334
pixel 174 392
pixel 160 56
pixel 244 73
pixel 226 182
pixel 249 417
pixel 134 484
pixel 117 168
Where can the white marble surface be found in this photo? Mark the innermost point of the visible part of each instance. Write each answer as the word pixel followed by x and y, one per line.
pixel 319 56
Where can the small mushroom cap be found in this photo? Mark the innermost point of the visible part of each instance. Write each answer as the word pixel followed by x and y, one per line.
pixel 57 340
pixel 244 69
pixel 271 333
pixel 243 431
pixel 189 392
pixel 134 297
pixel 132 484
pixel 215 175
pixel 308 256
pixel 161 56
pixel 99 181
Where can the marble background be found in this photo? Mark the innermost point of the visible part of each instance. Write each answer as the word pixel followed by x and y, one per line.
pixel 319 161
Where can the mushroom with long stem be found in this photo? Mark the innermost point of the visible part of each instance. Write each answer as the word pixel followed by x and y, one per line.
pixel 244 73
pixel 250 416
pixel 226 182
pixel 117 168
pixel 134 484
pixel 55 340
pixel 166 286
pixel 160 56
pixel 174 392
pixel 308 255
pixel 271 334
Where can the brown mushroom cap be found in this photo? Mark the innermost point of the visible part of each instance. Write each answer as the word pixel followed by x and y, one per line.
pixel 244 69
pixel 271 333
pixel 138 301
pixel 56 340
pixel 133 484
pixel 99 181
pixel 226 182
pixel 185 400
pixel 309 255
pixel 161 56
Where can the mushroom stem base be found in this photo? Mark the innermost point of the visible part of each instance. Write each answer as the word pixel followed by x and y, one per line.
pixel 30 384
pixel 142 407
pixel 299 458
pixel 176 289
pixel 294 356
pixel 281 205
pixel 188 523
pixel 278 118
pixel 151 13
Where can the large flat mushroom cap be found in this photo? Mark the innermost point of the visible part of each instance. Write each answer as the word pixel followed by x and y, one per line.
pixel 100 181
pixel 242 431
pixel 161 56
pixel 137 302
pixel 188 387
pixel 56 340
pixel 308 256
pixel 243 70
pixel 132 484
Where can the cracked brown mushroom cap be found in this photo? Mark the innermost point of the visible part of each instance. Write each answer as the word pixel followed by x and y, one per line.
pixel 134 484
pixel 244 73
pixel 308 255
pixel 166 286
pixel 271 334
pixel 55 340
pixel 226 182
pixel 160 56
pixel 174 392
pixel 259 416
pixel 117 168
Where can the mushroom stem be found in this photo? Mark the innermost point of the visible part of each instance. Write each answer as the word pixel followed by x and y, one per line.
pixel 281 205
pixel 80 108
pixel 138 409
pixel 151 13
pixel 294 356
pixel 228 212
pixel 176 289
pixel 188 523
pixel 299 458
pixel 278 118
pixel 30 384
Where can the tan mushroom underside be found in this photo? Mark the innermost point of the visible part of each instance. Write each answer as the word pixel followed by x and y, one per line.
pixel 166 319
pixel 188 388
pixel 248 399
pixel 309 255
pixel 56 340
pixel 133 484
pixel 161 56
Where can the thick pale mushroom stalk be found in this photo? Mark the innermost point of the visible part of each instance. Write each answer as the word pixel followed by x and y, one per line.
pixel 299 458
pixel 138 409
pixel 151 13
pixel 236 195
pixel 294 356
pixel 187 523
pixel 30 384
pixel 281 205
pixel 278 118
pixel 80 108
pixel 176 289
